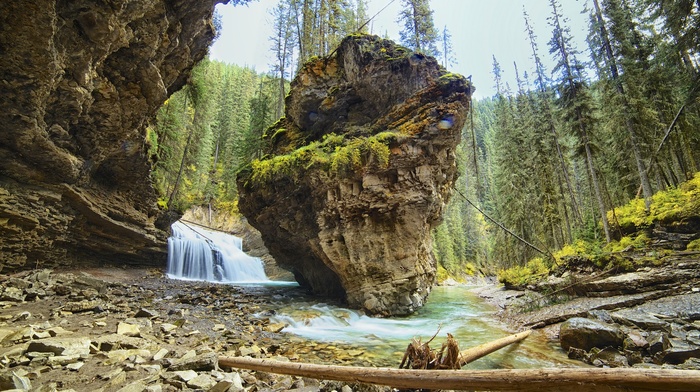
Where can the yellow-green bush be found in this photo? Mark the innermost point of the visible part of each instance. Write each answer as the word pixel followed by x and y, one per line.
pixel 673 204
pixel 578 248
pixel 523 275
pixel 639 242
pixel 694 245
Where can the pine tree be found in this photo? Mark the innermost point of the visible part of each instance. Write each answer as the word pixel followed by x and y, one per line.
pixel 575 101
pixel 418 31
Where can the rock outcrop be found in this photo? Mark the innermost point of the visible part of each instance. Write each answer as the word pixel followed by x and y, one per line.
pixel 358 172
pixel 78 83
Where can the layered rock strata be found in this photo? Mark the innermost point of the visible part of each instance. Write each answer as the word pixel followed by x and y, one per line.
pixel 78 83
pixel 358 172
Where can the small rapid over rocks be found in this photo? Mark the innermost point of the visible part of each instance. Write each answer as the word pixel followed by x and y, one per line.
pixel 196 253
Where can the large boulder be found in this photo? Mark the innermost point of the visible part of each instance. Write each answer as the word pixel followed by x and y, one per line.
pixel 358 173
pixel 79 81
pixel 585 334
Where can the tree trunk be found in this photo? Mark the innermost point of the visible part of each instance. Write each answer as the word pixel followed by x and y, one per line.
pixel 474 353
pixel 534 380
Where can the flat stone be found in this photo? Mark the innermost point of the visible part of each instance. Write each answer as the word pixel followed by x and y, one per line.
pixel 637 318
pixel 62 346
pixel 203 362
pixel 160 354
pixel 202 381
pixel 128 329
pixel 185 375
pixel 148 313
pixel 12 294
pixel 587 333
pixel 137 386
pixel 679 352
pixel 221 386
pixel 167 327
pixel 116 341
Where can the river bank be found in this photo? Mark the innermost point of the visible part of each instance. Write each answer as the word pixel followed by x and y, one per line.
pixel 113 329
pixel 652 314
pixel 135 330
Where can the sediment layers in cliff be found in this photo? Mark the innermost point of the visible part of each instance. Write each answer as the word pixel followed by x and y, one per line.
pixel 358 173
pixel 79 81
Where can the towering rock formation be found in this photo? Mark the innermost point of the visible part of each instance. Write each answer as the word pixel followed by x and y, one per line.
pixel 79 81
pixel 358 172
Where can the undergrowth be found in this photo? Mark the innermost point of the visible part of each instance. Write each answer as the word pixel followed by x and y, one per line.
pixel 671 205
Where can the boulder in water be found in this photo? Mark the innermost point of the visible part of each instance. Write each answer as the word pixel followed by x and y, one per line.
pixel 358 172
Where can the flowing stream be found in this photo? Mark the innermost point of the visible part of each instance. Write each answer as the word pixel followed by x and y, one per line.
pixel 196 253
pixel 454 310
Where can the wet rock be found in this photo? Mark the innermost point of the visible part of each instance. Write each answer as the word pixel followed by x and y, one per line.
pixel 607 357
pixel 586 334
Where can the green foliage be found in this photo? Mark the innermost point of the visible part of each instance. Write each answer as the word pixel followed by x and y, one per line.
pixel 334 154
pixel 671 205
pixel 520 276
pixel 639 242
pixel 694 245
pixel 208 130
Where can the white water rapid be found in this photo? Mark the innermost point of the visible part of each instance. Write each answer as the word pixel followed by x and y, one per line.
pixel 196 253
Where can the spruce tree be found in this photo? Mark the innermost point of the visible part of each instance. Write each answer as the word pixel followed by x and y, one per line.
pixel 418 32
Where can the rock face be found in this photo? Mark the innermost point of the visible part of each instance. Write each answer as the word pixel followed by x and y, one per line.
pixel 78 83
pixel 358 173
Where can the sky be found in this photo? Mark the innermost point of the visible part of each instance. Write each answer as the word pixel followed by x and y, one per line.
pixel 480 29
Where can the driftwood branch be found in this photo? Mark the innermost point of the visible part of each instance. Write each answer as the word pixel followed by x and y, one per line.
pixel 575 379
pixel 474 353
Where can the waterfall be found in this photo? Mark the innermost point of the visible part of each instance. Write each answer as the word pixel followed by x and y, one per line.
pixel 200 254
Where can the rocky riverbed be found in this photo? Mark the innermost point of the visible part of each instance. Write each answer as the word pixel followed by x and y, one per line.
pixel 649 317
pixel 135 330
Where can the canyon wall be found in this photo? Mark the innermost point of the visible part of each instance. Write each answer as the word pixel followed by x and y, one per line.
pixel 79 82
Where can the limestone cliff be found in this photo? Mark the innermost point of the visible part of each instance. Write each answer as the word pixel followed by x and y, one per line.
pixel 79 81
pixel 358 173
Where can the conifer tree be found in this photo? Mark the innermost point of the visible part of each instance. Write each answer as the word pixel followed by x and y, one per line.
pixel 418 32
pixel 575 101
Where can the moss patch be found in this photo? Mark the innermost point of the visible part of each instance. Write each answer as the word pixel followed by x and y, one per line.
pixel 334 154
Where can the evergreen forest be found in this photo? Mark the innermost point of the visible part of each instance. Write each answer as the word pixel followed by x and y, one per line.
pixel 544 163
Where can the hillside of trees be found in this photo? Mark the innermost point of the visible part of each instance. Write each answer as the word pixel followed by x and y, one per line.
pixel 543 162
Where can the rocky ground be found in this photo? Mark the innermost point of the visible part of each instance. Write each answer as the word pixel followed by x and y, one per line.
pixel 135 330
pixel 645 318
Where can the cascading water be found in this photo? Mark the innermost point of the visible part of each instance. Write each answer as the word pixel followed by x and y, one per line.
pixel 199 254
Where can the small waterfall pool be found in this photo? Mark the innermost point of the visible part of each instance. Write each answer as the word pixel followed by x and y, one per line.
pixel 197 253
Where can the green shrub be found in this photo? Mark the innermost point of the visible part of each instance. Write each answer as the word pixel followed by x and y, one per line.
pixel 694 245
pixel 519 276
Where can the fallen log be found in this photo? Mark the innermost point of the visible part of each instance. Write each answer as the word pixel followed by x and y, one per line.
pixel 556 379
pixel 474 353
